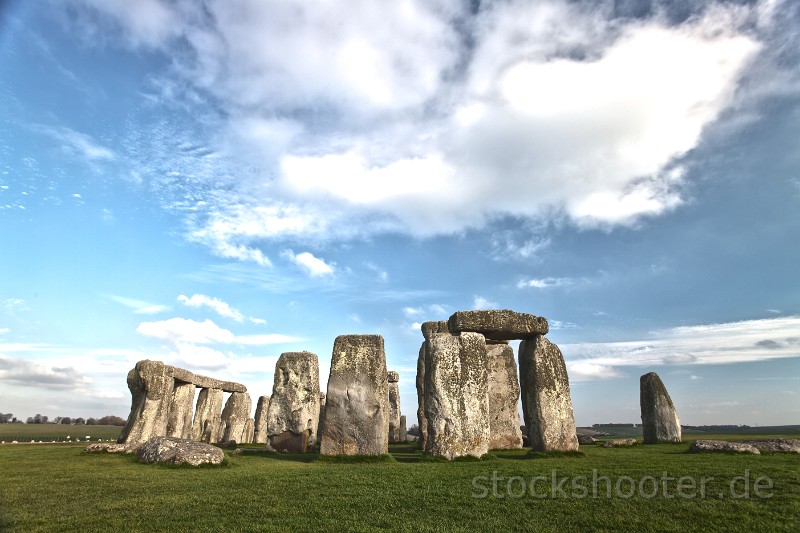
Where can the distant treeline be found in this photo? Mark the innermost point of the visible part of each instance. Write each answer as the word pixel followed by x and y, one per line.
pixel 726 427
pixel 42 419
pixel 614 425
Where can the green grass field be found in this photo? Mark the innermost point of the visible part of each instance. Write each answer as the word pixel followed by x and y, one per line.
pixel 50 432
pixel 59 488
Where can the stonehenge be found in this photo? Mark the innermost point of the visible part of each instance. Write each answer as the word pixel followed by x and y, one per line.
pixel 394 406
pixel 504 430
pixel 356 420
pixel 293 413
pixel 235 416
pixel 161 404
pixel 428 329
pixel 260 420
pixel 660 422
pixel 498 325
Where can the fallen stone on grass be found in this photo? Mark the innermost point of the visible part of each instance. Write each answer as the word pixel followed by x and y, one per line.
pixel 776 445
pixel 585 439
pixel 110 447
pixel 618 443
pixel 179 451
pixel 722 446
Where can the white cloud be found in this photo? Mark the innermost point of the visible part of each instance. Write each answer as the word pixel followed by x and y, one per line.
pixel 187 331
pixel 217 305
pixel 545 283
pixel 34 374
pixel 727 343
pixel 140 307
pixel 313 266
pixel 77 143
pixel 4 331
pixel 384 120
pixel 479 302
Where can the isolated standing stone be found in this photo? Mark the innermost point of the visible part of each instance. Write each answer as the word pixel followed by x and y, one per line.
pixel 293 414
pixel 504 430
pixel 207 426
pixel 498 324
pixel 260 421
pixel 357 406
pixel 235 416
pixel 394 406
pixel 178 451
pixel 151 395
pixel 457 395
pixel 403 431
pixel 546 402
pixel 660 422
pixel 179 423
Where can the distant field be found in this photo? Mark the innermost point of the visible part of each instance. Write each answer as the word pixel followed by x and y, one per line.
pixel 58 488
pixel 732 434
pixel 49 432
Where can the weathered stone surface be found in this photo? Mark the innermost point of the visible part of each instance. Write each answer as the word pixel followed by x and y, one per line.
pixel 586 439
pixel 151 395
pixel 394 406
pixel 207 425
pixel 260 424
pixel 498 324
pixel 179 451
pixel 619 443
pixel 293 415
pixel 659 419
pixel 776 445
pixel 357 407
pixel 546 401
pixel 249 430
pixel 179 423
pixel 457 395
pixel 403 431
pixel 422 421
pixel 433 327
pixel 722 446
pixel 203 382
pixel 321 414
pixel 109 447
pixel 504 432
pixel 235 416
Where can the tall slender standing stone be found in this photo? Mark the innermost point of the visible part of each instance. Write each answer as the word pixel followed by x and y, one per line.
pixel 207 426
pixel 293 414
pixel 457 395
pixel 179 423
pixel 428 329
pixel 260 423
pixel 235 416
pixel 151 395
pixel 504 431
pixel 249 430
pixel 660 422
pixel 403 431
pixel 394 406
pixel 546 402
pixel 357 406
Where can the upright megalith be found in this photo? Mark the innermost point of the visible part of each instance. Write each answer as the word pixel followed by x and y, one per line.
pixel 207 425
pixel 456 395
pixel 235 416
pixel 293 414
pixel 394 406
pixel 403 431
pixel 660 422
pixel 498 324
pixel 504 430
pixel 546 401
pixel 357 406
pixel 260 421
pixel 428 329
pixel 179 423
pixel 249 430
pixel 151 395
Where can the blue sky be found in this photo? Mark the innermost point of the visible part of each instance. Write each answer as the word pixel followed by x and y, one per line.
pixel 212 184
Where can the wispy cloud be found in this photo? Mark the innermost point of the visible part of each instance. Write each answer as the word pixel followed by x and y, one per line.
pixel 545 283
pixel 215 304
pixel 77 143
pixel 727 343
pixel 184 330
pixel 140 307
pixel 479 302
pixel 313 266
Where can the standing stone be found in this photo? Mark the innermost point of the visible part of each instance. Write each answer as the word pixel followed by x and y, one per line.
pixel 207 425
pixel 357 408
pixel 249 430
pixel 321 415
pixel 504 430
pixel 235 416
pixel 179 424
pixel 428 329
pixel 394 406
pixel 151 395
pixel 403 431
pixel 260 423
pixel 659 419
pixel 546 402
pixel 457 395
pixel 293 414
pixel 498 324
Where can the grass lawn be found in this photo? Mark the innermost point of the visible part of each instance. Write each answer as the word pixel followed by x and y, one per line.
pixel 58 488
pixel 50 432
